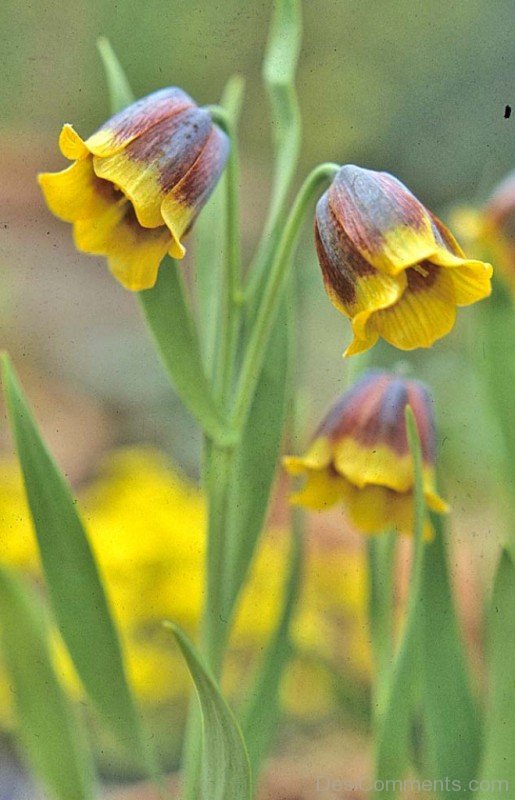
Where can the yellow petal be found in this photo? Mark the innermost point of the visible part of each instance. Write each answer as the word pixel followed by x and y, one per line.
pixel 157 162
pixel 375 509
pixel 426 312
pixel 402 247
pixel 323 489
pixel 133 253
pixel 318 456
pixel 75 193
pixel 72 146
pixel 472 282
pixel 435 502
pixel 361 345
pixel 139 182
pixel 364 465
pixel 373 292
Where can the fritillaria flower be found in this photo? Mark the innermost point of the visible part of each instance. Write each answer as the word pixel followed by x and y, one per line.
pixel 389 264
pixel 136 185
pixel 360 455
pixel 499 227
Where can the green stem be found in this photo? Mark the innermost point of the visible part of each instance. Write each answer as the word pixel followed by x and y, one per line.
pixel 260 334
pixel 381 562
pixel 392 725
pixel 279 69
pixel 232 292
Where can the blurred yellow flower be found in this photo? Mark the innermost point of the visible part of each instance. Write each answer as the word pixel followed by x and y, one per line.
pixel 147 528
pixel 490 231
pixel 360 455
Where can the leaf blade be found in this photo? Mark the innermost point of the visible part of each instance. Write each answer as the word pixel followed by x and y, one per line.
pixel 54 742
pixel 451 718
pixel 120 92
pixel 258 728
pixel 77 595
pixel 169 320
pixel 498 758
pixel 226 769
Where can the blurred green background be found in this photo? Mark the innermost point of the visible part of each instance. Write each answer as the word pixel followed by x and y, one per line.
pixel 418 88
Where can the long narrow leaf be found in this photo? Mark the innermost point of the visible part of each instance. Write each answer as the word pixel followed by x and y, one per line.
pixel 256 456
pixel 451 718
pixel 498 766
pixel 392 756
pixel 259 728
pixel 53 740
pixel 74 584
pixel 225 769
pixel 169 319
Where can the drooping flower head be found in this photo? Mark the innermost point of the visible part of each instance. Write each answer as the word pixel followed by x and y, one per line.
pixel 389 264
pixel 137 184
pixel 360 454
pixel 499 227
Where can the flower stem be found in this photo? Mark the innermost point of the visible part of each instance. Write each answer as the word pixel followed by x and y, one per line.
pixel 381 562
pixel 255 351
pixel 232 292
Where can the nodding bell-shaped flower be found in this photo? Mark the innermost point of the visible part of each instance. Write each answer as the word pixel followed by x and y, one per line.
pixel 360 455
pixel 136 185
pixel 389 264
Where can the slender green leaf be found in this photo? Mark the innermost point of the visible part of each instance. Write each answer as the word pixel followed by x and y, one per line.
pixel 259 728
pixel 498 765
pixel 170 322
pixel 53 740
pixel 497 337
pixel 120 92
pixel 451 718
pixel 225 770
pixel 74 584
pixel 393 734
pixel 255 461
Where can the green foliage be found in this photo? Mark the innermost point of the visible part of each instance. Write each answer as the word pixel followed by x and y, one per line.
pixel 225 767
pixel 262 713
pixel 52 736
pixel 393 726
pixel 74 584
pixel 170 322
pixel 451 718
pixel 498 763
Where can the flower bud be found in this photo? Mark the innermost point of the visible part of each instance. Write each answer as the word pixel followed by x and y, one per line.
pixel 138 183
pixel 389 264
pixel 360 455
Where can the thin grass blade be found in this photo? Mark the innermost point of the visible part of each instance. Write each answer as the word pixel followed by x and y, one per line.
pixel 225 769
